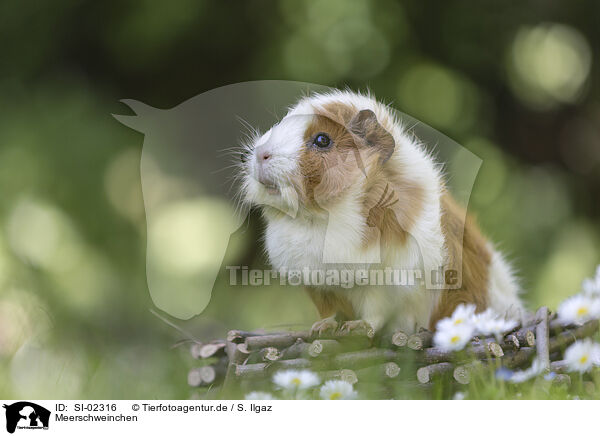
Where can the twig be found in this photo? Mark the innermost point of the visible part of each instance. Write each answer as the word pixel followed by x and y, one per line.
pixel 252 355
pixel 383 371
pixel 397 338
pixel 526 336
pixel 427 373
pixel 281 340
pixel 519 358
pixel 261 370
pixel 324 347
pixel 297 349
pixel 349 334
pixel 486 345
pixel 365 358
pixel 239 336
pixel 270 354
pixel 195 350
pixel 346 375
pixel 212 349
pixel 480 350
pixel 420 340
pixel 511 343
pixel 567 337
pixel 559 366
pixel 237 353
pixel 206 375
pixel 542 336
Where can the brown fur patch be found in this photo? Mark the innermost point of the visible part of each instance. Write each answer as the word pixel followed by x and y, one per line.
pixel 331 303
pixel 476 259
pixel 359 141
pixel 328 171
pixel 391 209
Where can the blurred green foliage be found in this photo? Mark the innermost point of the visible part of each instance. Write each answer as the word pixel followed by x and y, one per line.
pixel 517 84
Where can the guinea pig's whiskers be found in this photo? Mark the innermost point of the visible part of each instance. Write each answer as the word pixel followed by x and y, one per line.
pixel 252 132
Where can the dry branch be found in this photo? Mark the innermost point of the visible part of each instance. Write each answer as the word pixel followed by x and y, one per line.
pixel 206 375
pixel 324 347
pixel 349 355
pixel 346 375
pixel 542 335
pixel 427 373
pixel 567 337
pixel 420 340
pixel 559 366
pixel 479 347
pixel 396 339
pixel 388 370
pixel 211 350
pixel 237 353
pixel 511 343
pixel 194 377
pixel 519 358
pixel 480 350
pixel 251 371
pixel 280 340
pixel 462 373
pixel 365 358
pixel 297 349
pixel 400 339
pixel 195 350
pixel 270 354
pixel 264 369
pixel 526 336
pixel 239 336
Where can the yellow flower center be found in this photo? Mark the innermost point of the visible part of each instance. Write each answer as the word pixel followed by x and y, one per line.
pixel 335 396
pixel 458 321
pixel 296 381
pixel 455 339
pixel 583 360
pixel 582 311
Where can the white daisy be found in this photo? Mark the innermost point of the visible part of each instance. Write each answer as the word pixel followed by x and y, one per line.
pixel 495 326
pixel 453 337
pixel 296 380
pixel 481 318
pixel 591 287
pixel 491 323
pixel 578 309
pixel 582 355
pixel 257 395
pixel 337 390
pixel 462 314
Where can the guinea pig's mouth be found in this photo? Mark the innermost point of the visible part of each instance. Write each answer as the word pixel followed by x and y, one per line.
pixel 271 189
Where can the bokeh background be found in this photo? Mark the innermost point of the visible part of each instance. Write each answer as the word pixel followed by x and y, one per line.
pixel 516 83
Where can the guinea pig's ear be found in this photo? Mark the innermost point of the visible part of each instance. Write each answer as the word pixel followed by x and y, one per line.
pixel 365 125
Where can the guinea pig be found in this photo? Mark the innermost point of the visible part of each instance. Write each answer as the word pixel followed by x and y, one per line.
pixel 342 184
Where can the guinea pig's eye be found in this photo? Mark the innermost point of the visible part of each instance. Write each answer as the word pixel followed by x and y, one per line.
pixel 322 141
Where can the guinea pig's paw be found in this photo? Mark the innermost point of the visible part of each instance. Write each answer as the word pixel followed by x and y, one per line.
pixel 358 326
pixel 323 326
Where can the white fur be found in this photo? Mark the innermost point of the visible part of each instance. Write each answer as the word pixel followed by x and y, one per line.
pixel 503 288
pixel 303 239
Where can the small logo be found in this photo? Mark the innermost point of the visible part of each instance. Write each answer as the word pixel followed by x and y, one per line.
pixel 26 415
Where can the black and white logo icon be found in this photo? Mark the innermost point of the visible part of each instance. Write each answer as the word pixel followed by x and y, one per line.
pixel 26 415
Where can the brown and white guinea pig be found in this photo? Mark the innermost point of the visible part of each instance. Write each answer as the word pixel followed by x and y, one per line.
pixel 342 185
